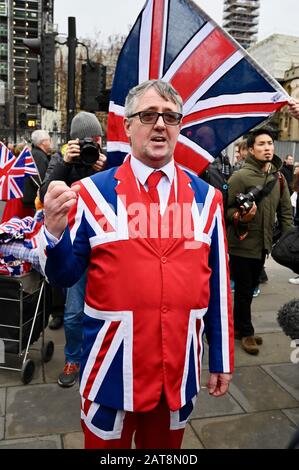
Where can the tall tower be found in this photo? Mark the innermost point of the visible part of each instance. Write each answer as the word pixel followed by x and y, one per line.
pixel 19 19
pixel 241 19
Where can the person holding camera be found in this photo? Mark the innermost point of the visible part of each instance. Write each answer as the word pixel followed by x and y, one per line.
pixel 256 194
pixel 82 157
pixel 73 165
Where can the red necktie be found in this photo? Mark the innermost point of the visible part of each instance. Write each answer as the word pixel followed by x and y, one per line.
pixel 152 183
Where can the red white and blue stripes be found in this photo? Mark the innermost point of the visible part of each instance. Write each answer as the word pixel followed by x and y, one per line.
pixel 225 92
pixel 13 171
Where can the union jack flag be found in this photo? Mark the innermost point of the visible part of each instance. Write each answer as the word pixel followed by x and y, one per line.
pixel 13 171
pixel 225 92
pixel 29 163
pixel 26 229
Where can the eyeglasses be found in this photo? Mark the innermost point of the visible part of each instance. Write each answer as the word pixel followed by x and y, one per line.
pixel 170 118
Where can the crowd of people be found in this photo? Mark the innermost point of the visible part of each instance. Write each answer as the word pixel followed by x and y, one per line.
pixel 136 293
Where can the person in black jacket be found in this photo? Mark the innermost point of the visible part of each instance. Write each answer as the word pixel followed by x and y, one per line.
pixel 294 111
pixel 69 168
pixel 295 201
pixel 41 150
pixel 287 170
pixel 217 175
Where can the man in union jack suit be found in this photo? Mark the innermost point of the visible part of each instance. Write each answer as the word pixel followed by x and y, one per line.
pixel 151 236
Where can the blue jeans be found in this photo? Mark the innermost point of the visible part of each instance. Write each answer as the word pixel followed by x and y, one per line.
pixel 73 320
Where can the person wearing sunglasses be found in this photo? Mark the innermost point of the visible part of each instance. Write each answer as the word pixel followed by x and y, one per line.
pixel 152 239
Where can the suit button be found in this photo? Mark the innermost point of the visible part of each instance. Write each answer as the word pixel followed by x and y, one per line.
pixel 163 259
pixel 164 309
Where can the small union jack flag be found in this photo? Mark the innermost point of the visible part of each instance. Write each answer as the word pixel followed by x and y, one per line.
pixel 225 92
pixel 29 163
pixel 13 171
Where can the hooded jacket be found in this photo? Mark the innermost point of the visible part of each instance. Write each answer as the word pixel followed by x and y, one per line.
pixel 260 228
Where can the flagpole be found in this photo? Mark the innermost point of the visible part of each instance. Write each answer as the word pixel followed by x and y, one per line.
pixel 71 99
pixel 15 121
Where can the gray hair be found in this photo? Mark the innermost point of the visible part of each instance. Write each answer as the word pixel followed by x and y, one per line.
pixel 165 90
pixel 38 136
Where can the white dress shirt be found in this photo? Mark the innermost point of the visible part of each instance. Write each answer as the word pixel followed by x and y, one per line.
pixel 142 172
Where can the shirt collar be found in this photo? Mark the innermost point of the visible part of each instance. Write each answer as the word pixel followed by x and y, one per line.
pixel 142 171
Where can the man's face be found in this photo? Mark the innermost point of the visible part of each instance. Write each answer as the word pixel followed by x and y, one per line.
pixel 289 160
pixel 153 144
pixel 263 148
pixel 46 144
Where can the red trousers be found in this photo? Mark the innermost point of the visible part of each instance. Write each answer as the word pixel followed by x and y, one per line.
pixel 155 429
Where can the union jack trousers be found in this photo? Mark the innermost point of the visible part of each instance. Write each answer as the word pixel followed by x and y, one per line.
pixel 106 428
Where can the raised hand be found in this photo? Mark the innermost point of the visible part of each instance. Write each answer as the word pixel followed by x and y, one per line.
pixel 294 108
pixel 59 199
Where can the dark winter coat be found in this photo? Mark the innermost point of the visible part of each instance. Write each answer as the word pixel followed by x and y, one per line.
pixel 288 173
pixel 59 170
pixel 296 216
pixel 32 183
pixel 214 176
pixel 260 228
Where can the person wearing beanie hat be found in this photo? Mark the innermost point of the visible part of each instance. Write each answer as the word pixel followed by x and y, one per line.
pixel 85 124
pixel 61 168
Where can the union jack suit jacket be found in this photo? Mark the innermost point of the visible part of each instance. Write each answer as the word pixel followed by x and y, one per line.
pixel 147 304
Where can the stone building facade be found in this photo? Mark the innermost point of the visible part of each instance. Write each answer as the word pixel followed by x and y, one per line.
pixel 279 55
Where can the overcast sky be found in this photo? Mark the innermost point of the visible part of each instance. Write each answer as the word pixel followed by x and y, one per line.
pixel 115 16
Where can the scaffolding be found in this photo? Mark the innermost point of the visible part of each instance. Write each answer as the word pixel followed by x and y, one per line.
pixel 241 19
pixel 20 20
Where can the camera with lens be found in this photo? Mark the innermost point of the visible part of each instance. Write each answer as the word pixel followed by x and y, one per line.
pixel 246 200
pixel 89 152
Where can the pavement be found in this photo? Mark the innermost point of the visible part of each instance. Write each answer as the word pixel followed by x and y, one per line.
pixel 261 410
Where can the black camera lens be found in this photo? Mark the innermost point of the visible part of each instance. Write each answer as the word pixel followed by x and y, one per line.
pixel 89 152
pixel 255 193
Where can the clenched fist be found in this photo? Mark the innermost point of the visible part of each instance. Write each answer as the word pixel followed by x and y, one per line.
pixel 59 199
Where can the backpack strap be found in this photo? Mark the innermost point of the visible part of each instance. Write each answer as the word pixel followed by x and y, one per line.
pixel 267 188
